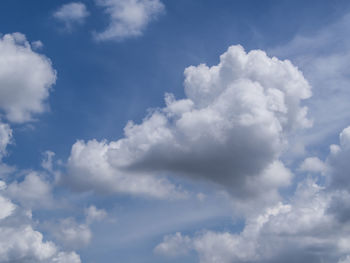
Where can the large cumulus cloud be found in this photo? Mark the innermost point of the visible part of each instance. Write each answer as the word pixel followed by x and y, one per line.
pixel 230 129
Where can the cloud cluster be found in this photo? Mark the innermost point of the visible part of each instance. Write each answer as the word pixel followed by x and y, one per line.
pixel 26 78
pixel 312 226
pixel 128 18
pixel 230 129
pixel 19 242
pixel 301 231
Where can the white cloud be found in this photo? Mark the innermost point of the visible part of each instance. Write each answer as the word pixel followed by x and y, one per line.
pixel 19 242
pixel 230 129
pixel 6 207
pixel 5 138
pixel 174 245
pixel 26 78
pixel 64 257
pixel 33 192
pixel 94 214
pixel 128 18
pixel 23 243
pixel 71 14
pixel 70 233
pixel 338 161
pixel 313 164
pixel 89 169
pixel 302 231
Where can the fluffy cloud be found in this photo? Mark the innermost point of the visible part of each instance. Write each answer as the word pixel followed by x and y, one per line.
pixel 174 245
pixel 5 138
pixel 338 161
pixel 230 129
pixel 301 231
pixel 128 18
pixel 33 192
pixel 313 164
pixel 89 169
pixel 70 233
pixel 6 207
pixel 26 78
pixel 19 242
pixel 71 14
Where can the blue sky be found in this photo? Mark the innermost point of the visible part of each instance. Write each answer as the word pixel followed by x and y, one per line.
pixel 246 161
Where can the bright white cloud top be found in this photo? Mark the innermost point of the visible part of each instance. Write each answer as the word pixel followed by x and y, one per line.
pixel 128 18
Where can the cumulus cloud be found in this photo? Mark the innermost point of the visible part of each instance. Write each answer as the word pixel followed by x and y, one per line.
pixel 128 18
pixel 313 164
pixel 338 161
pixel 71 14
pixel 33 192
pixel 174 245
pixel 300 231
pixel 26 78
pixel 230 129
pixel 70 233
pixel 19 242
pixel 90 169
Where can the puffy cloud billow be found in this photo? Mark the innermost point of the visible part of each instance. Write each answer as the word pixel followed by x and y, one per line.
pixel 300 231
pixel 230 129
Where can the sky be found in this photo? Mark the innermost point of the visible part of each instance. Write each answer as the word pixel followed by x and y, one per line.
pixel 155 131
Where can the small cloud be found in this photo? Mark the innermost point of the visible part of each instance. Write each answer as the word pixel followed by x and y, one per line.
pixel 94 214
pixel 313 164
pixel 36 45
pixel 128 18
pixel 71 14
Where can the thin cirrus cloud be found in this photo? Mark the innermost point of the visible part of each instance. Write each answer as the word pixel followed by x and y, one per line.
pixel 229 130
pixel 71 14
pixel 128 18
